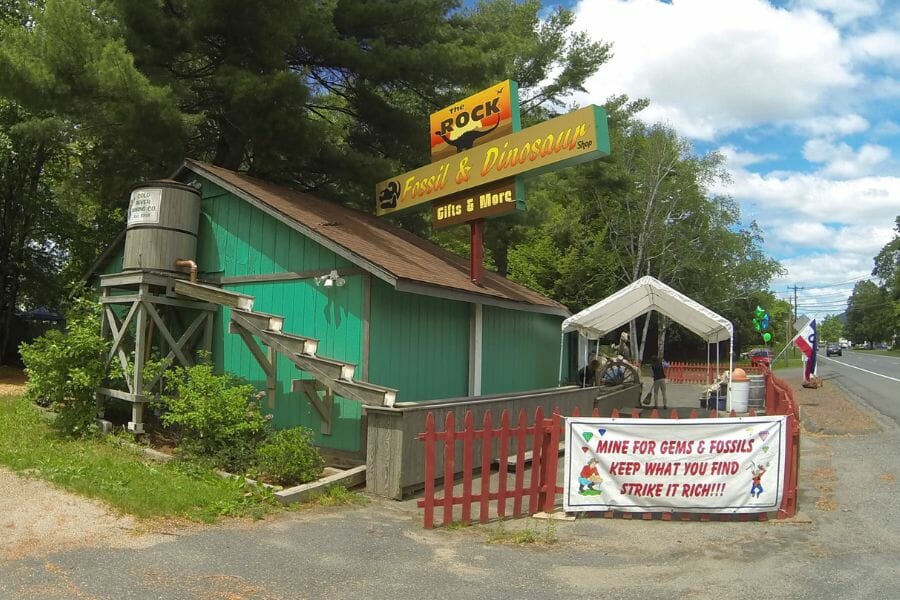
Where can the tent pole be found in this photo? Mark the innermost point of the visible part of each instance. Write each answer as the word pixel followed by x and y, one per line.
pixel 718 360
pixel 583 383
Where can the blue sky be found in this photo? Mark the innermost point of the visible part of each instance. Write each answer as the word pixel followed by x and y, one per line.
pixel 801 96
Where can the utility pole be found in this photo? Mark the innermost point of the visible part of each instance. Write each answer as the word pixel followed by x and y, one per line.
pixel 795 302
pixel 790 328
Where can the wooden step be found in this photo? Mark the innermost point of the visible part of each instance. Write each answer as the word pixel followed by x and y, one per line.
pixel 326 369
pixel 366 393
pixel 258 321
pixel 215 295
pixel 296 344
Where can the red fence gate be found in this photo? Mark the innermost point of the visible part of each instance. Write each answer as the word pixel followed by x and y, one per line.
pixel 502 493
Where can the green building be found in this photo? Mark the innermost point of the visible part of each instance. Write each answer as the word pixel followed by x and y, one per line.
pixel 399 308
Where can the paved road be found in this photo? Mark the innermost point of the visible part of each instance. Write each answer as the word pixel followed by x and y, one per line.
pixel 872 379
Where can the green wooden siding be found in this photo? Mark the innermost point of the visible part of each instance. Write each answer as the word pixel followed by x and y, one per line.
pixel 419 344
pixel 237 239
pixel 520 350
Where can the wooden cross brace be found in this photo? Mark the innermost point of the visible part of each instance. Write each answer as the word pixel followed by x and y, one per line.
pixel 267 362
pixel 324 404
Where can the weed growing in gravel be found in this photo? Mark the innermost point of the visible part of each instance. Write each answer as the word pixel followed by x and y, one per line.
pixel 338 495
pixel 528 535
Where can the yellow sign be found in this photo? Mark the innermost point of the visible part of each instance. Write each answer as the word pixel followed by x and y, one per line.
pixel 478 119
pixel 486 201
pixel 576 137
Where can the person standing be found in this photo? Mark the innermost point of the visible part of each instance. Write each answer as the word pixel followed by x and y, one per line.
pixel 587 375
pixel 658 367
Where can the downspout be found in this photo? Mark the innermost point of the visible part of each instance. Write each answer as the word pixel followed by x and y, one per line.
pixel 184 262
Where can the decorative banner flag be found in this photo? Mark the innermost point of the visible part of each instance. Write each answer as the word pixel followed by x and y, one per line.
pixel 806 341
pixel 729 465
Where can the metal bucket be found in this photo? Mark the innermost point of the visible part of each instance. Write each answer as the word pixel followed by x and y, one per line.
pixel 757 399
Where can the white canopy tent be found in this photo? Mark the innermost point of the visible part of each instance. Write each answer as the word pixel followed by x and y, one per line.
pixel 642 296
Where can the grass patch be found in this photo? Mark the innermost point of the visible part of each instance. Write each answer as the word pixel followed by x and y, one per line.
pixel 895 352
pixel 545 536
pixel 787 363
pixel 98 468
pixel 338 495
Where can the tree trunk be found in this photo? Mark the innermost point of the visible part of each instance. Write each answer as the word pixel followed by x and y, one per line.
pixel 644 335
pixel 662 327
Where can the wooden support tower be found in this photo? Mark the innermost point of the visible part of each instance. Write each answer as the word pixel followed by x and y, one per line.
pixel 153 314
pixel 145 319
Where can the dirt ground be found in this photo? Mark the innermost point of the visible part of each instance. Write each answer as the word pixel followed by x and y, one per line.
pixel 37 519
pixel 12 381
pixel 826 410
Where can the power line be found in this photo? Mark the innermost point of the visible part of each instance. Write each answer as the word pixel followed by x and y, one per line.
pixel 855 280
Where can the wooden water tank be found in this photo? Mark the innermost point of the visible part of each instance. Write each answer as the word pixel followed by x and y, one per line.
pixel 162 226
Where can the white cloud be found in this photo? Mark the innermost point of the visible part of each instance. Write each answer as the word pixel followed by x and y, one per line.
pixel 883 87
pixel 843 11
pixel 886 128
pixel 738 159
pixel 883 45
pixel 842 161
pixel 800 197
pixel 825 281
pixel 828 125
pixel 710 67
pixel 823 231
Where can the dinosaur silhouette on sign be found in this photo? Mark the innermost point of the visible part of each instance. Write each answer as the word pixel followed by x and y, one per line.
pixel 467 139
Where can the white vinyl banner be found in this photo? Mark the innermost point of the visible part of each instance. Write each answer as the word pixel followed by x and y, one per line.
pixel 728 465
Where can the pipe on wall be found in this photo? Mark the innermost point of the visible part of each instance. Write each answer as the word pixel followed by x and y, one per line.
pixel 184 262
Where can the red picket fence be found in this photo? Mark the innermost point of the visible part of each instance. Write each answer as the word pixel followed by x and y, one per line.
pixel 695 372
pixel 479 448
pixel 780 401
pixel 503 494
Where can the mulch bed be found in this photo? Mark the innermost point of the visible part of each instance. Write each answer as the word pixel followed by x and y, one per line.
pixel 828 411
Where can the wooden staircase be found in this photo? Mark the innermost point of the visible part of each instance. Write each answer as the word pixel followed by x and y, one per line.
pixel 331 376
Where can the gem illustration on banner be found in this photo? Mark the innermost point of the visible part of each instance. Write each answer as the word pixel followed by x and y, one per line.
pixel 587 436
pixel 585 449
pixel 601 431
pixel 763 435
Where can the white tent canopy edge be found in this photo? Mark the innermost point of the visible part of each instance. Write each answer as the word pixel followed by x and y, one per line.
pixel 642 296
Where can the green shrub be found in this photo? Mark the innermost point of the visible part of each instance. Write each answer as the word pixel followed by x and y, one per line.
pixel 65 369
pixel 219 418
pixel 289 457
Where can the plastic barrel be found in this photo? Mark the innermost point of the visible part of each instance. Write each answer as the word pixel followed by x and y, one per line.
pixel 740 393
pixel 757 398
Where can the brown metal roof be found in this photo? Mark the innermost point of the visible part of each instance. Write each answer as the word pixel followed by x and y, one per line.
pixel 404 260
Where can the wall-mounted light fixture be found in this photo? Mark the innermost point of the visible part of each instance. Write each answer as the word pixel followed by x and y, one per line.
pixel 331 280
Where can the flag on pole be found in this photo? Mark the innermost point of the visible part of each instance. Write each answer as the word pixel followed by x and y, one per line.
pixel 806 341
